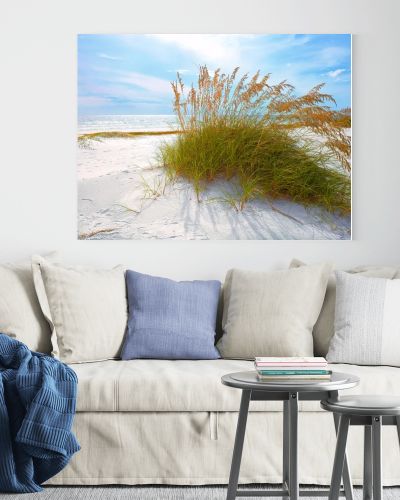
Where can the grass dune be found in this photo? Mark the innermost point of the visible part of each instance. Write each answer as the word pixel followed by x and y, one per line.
pixel 268 141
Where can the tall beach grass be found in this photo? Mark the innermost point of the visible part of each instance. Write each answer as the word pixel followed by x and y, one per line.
pixel 262 137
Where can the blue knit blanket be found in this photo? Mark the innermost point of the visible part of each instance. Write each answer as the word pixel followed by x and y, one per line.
pixel 37 406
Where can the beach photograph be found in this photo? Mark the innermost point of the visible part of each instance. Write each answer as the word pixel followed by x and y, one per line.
pixel 192 136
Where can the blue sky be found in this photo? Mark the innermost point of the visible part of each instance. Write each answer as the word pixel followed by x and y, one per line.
pixel 131 74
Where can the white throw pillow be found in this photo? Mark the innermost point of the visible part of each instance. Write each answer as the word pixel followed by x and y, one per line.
pixel 20 315
pixel 324 327
pixel 367 321
pixel 272 313
pixel 86 309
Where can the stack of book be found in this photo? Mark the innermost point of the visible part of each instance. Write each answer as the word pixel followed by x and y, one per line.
pixel 292 368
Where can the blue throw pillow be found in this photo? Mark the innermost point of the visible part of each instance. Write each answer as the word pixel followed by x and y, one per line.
pixel 170 319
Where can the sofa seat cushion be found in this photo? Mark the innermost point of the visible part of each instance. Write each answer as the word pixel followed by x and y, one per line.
pixel 174 386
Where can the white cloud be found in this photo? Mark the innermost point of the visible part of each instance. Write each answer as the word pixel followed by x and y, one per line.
pixel 146 82
pixel 216 49
pixel 133 82
pixel 111 58
pixel 180 71
pixel 336 72
pixel 330 56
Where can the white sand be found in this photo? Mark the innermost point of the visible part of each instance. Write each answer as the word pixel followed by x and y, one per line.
pixel 115 201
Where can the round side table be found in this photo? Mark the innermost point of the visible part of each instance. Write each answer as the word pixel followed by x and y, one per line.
pixel 290 392
pixel 371 412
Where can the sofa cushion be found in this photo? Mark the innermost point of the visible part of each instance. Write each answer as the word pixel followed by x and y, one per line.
pixel 20 315
pixel 161 385
pixel 367 321
pixel 272 313
pixel 324 327
pixel 170 319
pixel 86 309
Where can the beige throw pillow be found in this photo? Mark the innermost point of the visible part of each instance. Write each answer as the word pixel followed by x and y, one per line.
pixel 325 326
pixel 367 321
pixel 272 313
pixel 86 309
pixel 20 315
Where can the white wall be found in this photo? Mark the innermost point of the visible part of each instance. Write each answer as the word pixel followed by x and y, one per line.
pixel 38 202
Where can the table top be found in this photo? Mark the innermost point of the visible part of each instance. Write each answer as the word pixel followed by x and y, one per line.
pixel 249 380
pixel 365 405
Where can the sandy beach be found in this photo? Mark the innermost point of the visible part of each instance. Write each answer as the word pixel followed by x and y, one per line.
pixel 124 194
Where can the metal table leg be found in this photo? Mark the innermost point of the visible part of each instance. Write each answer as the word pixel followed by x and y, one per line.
pixel 293 447
pixel 398 427
pixel 347 481
pixel 286 448
pixel 238 447
pixel 340 454
pixel 377 457
pixel 367 480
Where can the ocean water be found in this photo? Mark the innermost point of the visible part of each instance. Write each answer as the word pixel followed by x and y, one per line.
pixel 125 123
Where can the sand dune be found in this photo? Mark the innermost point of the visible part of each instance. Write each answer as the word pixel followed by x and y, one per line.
pixel 123 194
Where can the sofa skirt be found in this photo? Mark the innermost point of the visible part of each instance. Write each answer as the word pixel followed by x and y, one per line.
pixel 195 448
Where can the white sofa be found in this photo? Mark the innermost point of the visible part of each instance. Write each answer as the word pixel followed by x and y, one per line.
pixel 173 422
